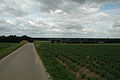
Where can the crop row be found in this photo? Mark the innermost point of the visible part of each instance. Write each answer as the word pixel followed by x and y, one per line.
pixel 102 60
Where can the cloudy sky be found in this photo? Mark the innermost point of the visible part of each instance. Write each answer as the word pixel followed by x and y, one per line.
pixel 60 18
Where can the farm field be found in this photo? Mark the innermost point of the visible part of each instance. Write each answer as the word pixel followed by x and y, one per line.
pixel 80 62
pixel 6 48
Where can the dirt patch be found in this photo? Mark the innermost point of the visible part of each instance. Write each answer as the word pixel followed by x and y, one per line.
pixel 24 41
pixel 88 72
pixel 77 74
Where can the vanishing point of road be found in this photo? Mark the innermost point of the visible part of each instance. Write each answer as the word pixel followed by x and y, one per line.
pixel 23 64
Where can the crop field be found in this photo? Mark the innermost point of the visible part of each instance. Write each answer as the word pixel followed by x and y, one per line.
pixel 6 48
pixel 80 62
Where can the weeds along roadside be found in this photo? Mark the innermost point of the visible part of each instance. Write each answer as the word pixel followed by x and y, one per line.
pixel 53 67
pixel 7 48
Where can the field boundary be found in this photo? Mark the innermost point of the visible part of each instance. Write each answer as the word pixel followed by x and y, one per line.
pixel 12 52
pixel 43 67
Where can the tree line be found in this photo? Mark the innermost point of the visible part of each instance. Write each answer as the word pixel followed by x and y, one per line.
pixel 15 39
pixel 86 40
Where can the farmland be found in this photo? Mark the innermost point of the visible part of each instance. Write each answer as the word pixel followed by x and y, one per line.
pixel 6 48
pixel 80 62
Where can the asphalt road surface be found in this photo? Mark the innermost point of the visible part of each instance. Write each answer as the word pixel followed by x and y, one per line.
pixel 23 64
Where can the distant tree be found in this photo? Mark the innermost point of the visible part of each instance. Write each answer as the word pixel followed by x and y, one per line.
pixel 14 38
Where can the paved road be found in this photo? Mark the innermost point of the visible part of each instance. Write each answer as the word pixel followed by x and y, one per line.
pixel 22 64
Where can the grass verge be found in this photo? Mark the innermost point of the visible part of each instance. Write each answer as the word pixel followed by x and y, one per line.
pixel 53 67
pixel 7 48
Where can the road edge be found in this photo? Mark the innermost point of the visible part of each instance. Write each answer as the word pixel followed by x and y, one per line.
pixel 43 67
pixel 14 51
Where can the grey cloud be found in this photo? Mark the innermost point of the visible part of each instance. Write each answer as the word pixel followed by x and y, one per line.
pixel 80 1
pixel 47 5
pixel 15 8
pixel 102 1
pixel 5 25
pixel 65 5
pixel 2 28
pixel 114 33
pixel 115 30
pixel 70 4
pixel 116 24
pixel 70 26
pixel 96 1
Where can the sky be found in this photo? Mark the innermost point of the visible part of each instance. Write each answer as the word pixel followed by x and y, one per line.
pixel 60 18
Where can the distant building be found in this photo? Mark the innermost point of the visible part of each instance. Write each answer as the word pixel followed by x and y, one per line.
pixel 101 42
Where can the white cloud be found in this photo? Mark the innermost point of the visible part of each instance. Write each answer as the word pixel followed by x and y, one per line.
pixel 58 18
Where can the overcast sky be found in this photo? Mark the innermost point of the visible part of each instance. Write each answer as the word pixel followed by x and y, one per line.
pixel 60 18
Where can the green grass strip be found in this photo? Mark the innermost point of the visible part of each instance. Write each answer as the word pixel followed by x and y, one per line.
pixel 7 48
pixel 53 67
